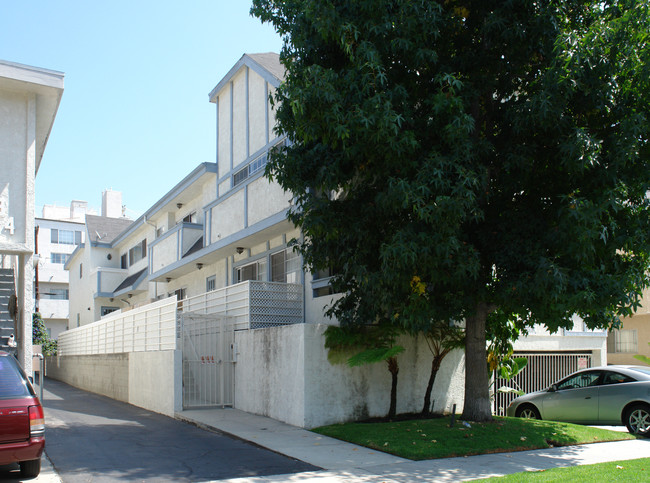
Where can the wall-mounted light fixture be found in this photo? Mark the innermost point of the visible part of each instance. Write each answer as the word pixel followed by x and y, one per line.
pixel 179 205
pixel 168 279
pixel 240 250
pixel 199 266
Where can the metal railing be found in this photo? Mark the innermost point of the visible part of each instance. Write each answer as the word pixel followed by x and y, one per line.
pixel 148 328
pixel 251 304
pixel 541 371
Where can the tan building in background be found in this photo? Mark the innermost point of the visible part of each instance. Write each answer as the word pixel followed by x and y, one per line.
pixel 632 338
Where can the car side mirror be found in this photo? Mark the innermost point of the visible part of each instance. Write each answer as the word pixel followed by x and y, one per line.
pixel 553 388
pixel 31 379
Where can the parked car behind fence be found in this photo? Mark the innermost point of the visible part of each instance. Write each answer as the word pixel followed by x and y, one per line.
pixel 610 395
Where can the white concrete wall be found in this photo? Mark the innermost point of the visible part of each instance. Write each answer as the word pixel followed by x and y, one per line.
pixel 151 380
pixel 284 373
pixel 228 216
pixel 266 199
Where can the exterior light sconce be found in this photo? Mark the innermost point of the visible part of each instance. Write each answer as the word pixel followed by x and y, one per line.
pixel 179 205
pixel 199 266
pixel 168 279
pixel 240 250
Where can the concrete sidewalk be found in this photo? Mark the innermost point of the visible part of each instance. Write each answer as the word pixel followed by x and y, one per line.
pixel 351 463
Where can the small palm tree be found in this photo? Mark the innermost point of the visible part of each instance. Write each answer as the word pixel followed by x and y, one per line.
pixel 372 344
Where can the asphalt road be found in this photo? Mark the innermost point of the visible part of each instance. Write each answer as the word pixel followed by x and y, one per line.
pixel 91 438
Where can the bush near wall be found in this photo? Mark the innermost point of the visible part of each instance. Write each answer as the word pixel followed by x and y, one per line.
pixel 41 337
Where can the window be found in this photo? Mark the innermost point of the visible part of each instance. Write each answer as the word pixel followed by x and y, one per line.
pixel 108 310
pixel 65 237
pixel 124 261
pixel 240 176
pixel 285 266
pixel 56 294
pixel 59 258
pixel 252 271
pixel 622 341
pixel 616 378
pixel 191 218
pixel 138 252
pixel 13 384
pixel 584 379
pixel 210 283
pixel 81 270
pixel 320 282
pixel 254 166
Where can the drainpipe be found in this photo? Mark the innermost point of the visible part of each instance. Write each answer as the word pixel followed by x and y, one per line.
pixel 155 235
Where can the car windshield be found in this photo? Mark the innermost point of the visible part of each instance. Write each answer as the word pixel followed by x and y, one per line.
pixel 12 382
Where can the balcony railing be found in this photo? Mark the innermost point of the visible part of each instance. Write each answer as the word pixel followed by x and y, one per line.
pixel 173 245
pixel 148 328
pixel 153 327
pixel 251 304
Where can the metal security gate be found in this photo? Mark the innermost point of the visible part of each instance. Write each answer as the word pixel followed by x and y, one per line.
pixel 208 360
pixel 542 370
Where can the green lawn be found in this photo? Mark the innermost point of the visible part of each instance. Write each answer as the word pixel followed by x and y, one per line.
pixel 631 470
pixel 434 438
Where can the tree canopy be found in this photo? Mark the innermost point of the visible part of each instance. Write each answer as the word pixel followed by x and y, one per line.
pixel 476 160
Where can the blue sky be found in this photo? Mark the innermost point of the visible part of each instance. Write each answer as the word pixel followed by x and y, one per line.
pixel 135 115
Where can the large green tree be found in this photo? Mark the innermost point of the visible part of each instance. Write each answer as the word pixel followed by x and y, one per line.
pixel 494 151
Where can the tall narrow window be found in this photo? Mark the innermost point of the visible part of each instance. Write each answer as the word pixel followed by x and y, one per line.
pixel 210 283
pixel 285 266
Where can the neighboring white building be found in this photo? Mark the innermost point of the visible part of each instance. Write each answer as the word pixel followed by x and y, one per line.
pixel 29 100
pixel 55 242
pixel 219 241
pixel 59 232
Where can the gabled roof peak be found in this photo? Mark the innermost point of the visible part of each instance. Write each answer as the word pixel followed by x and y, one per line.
pixel 266 65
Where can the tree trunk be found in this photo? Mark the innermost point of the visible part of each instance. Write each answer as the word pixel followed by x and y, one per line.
pixel 477 395
pixel 393 367
pixel 435 367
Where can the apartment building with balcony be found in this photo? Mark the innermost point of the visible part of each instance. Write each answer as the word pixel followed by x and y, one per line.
pixel 56 239
pixel 218 245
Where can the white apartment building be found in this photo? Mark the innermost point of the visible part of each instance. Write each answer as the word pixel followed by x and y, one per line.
pixel 219 242
pixel 55 241
pixel 59 232
pixel 29 101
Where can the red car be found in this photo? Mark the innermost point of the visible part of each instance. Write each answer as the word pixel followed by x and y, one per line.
pixel 22 423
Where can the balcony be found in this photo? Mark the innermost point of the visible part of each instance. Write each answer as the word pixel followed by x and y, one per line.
pixel 251 304
pixel 107 279
pixel 53 308
pixel 170 248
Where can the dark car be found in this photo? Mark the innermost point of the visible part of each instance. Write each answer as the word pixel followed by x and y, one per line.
pixel 22 424
pixel 610 395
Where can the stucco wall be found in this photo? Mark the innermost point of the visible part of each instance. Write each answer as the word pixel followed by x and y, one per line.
pixel 284 373
pixel 640 323
pixel 150 380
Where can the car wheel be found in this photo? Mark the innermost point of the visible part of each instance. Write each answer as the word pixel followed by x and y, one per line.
pixel 528 411
pixel 30 469
pixel 637 419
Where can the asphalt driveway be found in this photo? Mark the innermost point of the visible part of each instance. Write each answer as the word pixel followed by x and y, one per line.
pixel 94 438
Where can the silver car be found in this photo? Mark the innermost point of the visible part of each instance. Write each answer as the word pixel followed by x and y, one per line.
pixel 610 395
